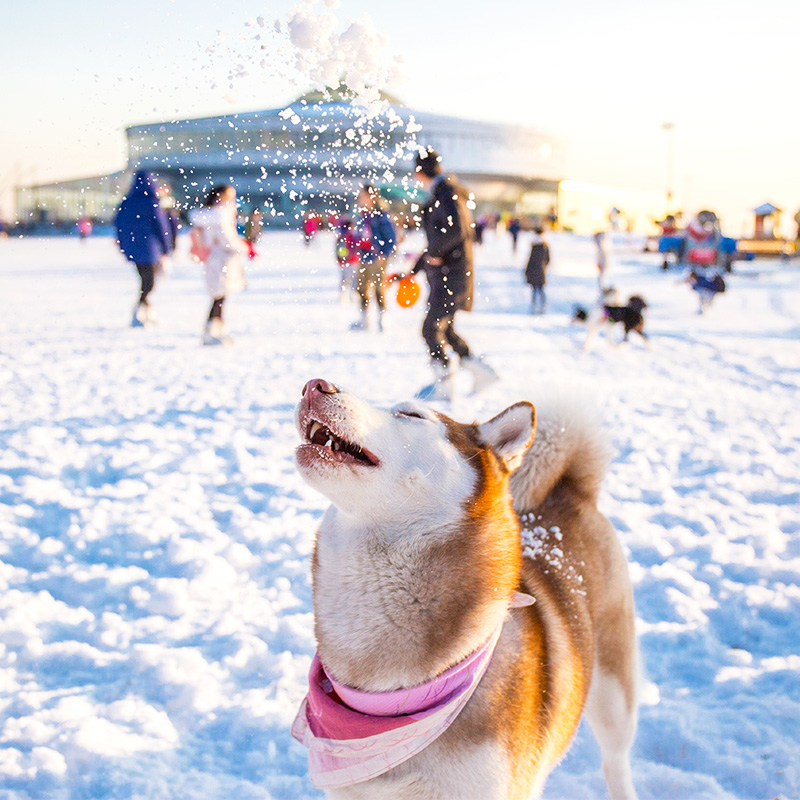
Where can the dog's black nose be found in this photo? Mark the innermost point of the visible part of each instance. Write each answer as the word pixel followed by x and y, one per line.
pixel 319 385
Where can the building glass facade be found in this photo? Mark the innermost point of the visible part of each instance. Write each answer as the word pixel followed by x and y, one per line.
pixel 314 156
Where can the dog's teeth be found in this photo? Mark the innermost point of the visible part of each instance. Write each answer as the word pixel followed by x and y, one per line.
pixel 329 443
pixel 315 426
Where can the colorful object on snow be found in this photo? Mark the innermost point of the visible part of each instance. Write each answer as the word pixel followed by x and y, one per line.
pixel 408 291
pixel 251 250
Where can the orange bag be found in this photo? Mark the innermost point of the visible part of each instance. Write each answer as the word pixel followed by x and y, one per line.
pixel 407 292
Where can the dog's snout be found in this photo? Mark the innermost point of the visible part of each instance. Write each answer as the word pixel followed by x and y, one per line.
pixel 319 385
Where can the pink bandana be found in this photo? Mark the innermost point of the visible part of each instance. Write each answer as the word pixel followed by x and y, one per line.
pixel 352 735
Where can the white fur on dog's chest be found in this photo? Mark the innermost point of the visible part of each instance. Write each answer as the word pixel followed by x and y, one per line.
pixel 439 773
pixel 370 594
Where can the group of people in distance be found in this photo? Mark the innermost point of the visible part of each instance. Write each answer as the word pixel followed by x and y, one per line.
pixel 364 248
pixel 146 234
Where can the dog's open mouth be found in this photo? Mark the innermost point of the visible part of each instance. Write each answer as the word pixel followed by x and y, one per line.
pixel 334 447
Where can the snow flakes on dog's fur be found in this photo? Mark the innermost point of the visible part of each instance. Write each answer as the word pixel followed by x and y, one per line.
pixel 543 544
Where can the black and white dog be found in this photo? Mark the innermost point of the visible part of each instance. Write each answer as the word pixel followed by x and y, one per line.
pixel 608 314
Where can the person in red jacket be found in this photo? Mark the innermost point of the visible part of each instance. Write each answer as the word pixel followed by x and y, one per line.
pixel 346 258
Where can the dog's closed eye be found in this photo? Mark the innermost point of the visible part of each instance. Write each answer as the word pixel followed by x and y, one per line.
pixel 409 411
pixel 413 414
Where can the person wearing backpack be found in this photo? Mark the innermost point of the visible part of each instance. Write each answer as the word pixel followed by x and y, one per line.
pixel 347 258
pixel 145 238
pixel 377 238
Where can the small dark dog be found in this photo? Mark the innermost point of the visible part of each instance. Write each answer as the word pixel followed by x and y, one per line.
pixel 605 316
pixel 630 315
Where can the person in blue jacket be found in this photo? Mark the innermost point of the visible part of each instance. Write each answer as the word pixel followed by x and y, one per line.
pixel 145 237
pixel 377 238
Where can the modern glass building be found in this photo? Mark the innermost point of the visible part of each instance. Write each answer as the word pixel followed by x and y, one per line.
pixel 60 204
pixel 314 154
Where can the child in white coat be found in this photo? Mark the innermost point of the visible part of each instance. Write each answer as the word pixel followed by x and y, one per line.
pixel 223 255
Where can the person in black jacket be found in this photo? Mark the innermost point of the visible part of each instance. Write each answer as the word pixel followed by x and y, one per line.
pixel 448 266
pixel 535 272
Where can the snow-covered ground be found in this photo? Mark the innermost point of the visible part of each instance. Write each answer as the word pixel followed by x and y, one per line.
pixel 155 610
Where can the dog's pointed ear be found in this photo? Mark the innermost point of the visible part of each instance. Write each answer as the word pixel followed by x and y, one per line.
pixel 510 433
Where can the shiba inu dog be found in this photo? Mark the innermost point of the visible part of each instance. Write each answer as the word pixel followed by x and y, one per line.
pixel 470 602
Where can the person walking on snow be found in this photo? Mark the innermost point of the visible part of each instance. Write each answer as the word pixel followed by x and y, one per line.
pixel 346 258
pixel 535 272
pixel 448 266
pixel 144 236
pixel 514 228
pixel 223 256
pixel 602 244
pixel 376 242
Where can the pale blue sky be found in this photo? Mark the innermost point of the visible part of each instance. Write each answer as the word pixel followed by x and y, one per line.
pixel 604 76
